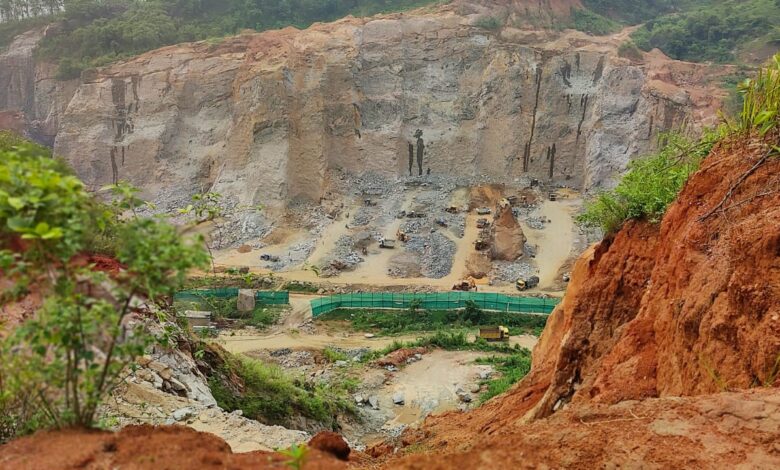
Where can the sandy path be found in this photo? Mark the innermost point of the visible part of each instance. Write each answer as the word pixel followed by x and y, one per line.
pixel 429 385
pixel 555 242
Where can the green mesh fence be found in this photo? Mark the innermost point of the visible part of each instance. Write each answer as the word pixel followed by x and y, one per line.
pixel 264 297
pixel 438 301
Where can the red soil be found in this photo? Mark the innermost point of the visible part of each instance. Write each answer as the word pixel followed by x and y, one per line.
pixel 141 448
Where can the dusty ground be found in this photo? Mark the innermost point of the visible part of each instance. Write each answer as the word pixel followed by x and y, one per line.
pixel 350 237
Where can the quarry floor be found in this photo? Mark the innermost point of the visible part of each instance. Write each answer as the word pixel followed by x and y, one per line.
pixel 435 258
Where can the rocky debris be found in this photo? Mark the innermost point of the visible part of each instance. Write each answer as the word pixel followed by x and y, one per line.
pixel 373 400
pixel 435 252
pixel 182 413
pixel 505 271
pixel 398 398
pixel 174 372
pixel 537 223
pixel 331 443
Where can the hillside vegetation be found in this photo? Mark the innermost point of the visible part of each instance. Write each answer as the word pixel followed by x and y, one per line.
pixel 98 32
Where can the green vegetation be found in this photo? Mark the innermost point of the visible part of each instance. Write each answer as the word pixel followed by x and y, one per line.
pixel 447 340
pixel 634 11
pixel 271 395
pixel 389 322
pixel 714 31
pixel 512 369
pixel 488 22
pixel 593 23
pixel 331 355
pixel 649 186
pixel 652 183
pixel 97 32
pixel 296 455
pixel 57 367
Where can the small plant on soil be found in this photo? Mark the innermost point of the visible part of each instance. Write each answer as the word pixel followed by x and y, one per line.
pixel 296 455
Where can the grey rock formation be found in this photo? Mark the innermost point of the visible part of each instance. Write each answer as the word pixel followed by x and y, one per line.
pixel 263 118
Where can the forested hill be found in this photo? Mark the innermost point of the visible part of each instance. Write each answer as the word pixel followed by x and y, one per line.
pixel 92 33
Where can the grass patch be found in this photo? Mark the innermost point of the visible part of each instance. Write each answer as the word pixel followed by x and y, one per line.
pixel 391 322
pixel 272 395
pixel 447 340
pixel 649 186
pixel 332 355
pixel 512 369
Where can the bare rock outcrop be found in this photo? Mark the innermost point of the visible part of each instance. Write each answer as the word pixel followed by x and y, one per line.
pixel 507 238
pixel 263 118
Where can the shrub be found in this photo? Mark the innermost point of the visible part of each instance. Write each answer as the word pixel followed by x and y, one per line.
pixel 649 186
pixel 592 23
pixel 488 22
pixel 59 365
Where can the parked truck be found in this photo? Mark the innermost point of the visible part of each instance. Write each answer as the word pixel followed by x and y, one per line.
pixel 494 333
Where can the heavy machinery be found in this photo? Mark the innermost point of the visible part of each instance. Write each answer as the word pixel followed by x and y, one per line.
pixel 386 243
pixel 525 284
pixel 271 258
pixel 481 244
pixel 482 223
pixel 494 333
pixel 483 211
pixel 465 285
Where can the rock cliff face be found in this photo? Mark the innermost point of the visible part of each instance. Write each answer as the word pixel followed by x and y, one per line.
pixel 262 118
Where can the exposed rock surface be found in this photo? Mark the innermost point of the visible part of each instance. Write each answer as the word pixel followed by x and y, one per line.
pixel 263 118
pixel 507 236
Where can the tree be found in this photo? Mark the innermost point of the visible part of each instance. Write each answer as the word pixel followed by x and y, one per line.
pixel 57 367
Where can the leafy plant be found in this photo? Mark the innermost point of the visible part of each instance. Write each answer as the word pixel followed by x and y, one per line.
pixel 761 100
pixel 59 365
pixel 296 455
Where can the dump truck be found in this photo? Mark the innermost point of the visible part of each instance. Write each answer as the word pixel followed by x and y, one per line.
pixel 386 243
pixel 271 258
pixel 553 196
pixel 465 285
pixel 525 284
pixel 451 210
pixel 494 333
pixel 481 244
pixel 483 211
pixel 482 223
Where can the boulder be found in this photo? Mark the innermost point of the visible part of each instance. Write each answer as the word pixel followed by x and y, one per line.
pixel 246 300
pixel 398 398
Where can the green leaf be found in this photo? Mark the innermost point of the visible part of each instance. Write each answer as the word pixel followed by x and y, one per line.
pixel 18 224
pixel 16 202
pixel 42 228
